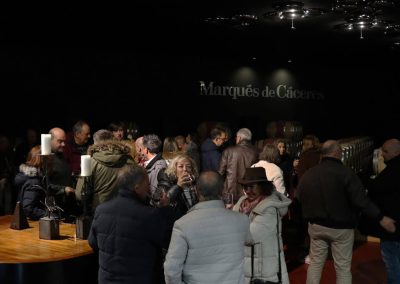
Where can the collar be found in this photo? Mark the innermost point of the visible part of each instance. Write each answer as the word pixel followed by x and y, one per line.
pixel 208 204
pixel 331 159
pixel 148 161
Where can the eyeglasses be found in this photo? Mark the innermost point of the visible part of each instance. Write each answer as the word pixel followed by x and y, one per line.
pixel 223 138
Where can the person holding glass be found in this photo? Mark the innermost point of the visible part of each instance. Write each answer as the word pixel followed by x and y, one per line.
pixel 178 180
pixel 264 259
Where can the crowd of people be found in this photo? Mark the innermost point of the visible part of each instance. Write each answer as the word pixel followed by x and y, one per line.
pixel 158 210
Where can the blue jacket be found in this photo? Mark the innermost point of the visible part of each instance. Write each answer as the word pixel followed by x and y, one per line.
pixel 210 156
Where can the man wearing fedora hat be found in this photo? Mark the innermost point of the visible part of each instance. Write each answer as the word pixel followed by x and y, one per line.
pixel 265 260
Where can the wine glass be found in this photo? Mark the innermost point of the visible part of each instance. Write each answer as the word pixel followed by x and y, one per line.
pixel 227 198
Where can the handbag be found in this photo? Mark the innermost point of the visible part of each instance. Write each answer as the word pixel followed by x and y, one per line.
pixel 279 273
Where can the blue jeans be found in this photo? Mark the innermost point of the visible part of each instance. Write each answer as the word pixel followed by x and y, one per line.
pixel 390 251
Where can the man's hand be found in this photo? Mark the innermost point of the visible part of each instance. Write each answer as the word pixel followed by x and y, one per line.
pixel 164 199
pixel 69 190
pixel 388 224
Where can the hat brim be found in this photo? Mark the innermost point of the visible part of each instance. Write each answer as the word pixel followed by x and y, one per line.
pixel 244 181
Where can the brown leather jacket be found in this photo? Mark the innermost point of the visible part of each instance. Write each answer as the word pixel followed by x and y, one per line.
pixel 233 163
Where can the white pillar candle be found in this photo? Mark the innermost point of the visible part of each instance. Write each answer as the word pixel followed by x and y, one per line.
pixel 86 167
pixel 45 146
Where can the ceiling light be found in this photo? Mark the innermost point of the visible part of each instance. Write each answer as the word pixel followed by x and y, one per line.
pixel 363 19
pixel 290 10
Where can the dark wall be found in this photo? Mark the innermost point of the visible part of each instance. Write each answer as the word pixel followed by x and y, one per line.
pixel 161 92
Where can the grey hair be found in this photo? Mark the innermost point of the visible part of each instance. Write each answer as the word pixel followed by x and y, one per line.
pixel 77 128
pixel 102 135
pixel 210 185
pixel 244 133
pixel 130 175
pixel 153 143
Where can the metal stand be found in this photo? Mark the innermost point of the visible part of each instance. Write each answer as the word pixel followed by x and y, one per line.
pixel 49 228
pixel 84 221
pixel 19 221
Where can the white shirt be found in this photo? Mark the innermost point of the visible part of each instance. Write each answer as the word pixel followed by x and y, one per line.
pixel 274 174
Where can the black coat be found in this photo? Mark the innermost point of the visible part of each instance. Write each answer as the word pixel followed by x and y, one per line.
pixel 128 235
pixel 384 191
pixel 332 195
pixel 31 195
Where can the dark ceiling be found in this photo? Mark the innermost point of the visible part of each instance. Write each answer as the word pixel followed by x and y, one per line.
pixel 64 51
pixel 180 27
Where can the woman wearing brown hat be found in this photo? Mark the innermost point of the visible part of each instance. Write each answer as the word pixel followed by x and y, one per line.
pixel 265 208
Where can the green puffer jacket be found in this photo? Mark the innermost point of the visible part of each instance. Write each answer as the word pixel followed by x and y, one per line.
pixel 107 158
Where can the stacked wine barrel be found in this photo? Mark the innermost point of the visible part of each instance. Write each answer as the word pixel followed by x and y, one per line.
pixel 357 153
pixel 290 131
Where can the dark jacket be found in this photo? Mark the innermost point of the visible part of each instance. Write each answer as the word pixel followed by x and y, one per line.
pixel 332 195
pixel 60 175
pixel 384 191
pixel 210 156
pixel 31 193
pixel 308 159
pixel 234 162
pixel 286 165
pixel 72 153
pixel 179 201
pixel 107 159
pixel 128 235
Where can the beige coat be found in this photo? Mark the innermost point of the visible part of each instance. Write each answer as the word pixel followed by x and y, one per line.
pixel 263 230
pixel 207 246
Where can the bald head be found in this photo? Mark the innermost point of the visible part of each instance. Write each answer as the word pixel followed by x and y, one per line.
pixel 139 147
pixel 139 142
pixel 210 185
pixel 390 149
pixel 58 139
pixel 331 148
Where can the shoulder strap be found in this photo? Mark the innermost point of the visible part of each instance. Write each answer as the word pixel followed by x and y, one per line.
pixel 279 247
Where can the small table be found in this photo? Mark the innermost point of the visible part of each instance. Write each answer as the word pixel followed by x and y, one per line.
pixel 24 246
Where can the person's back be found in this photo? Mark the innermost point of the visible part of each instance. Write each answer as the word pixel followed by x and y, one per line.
pixel 235 160
pixel 107 158
pixel 127 232
pixel 332 197
pixel 331 192
pixel 207 244
pixel 269 158
pixel 309 157
pixel 28 181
